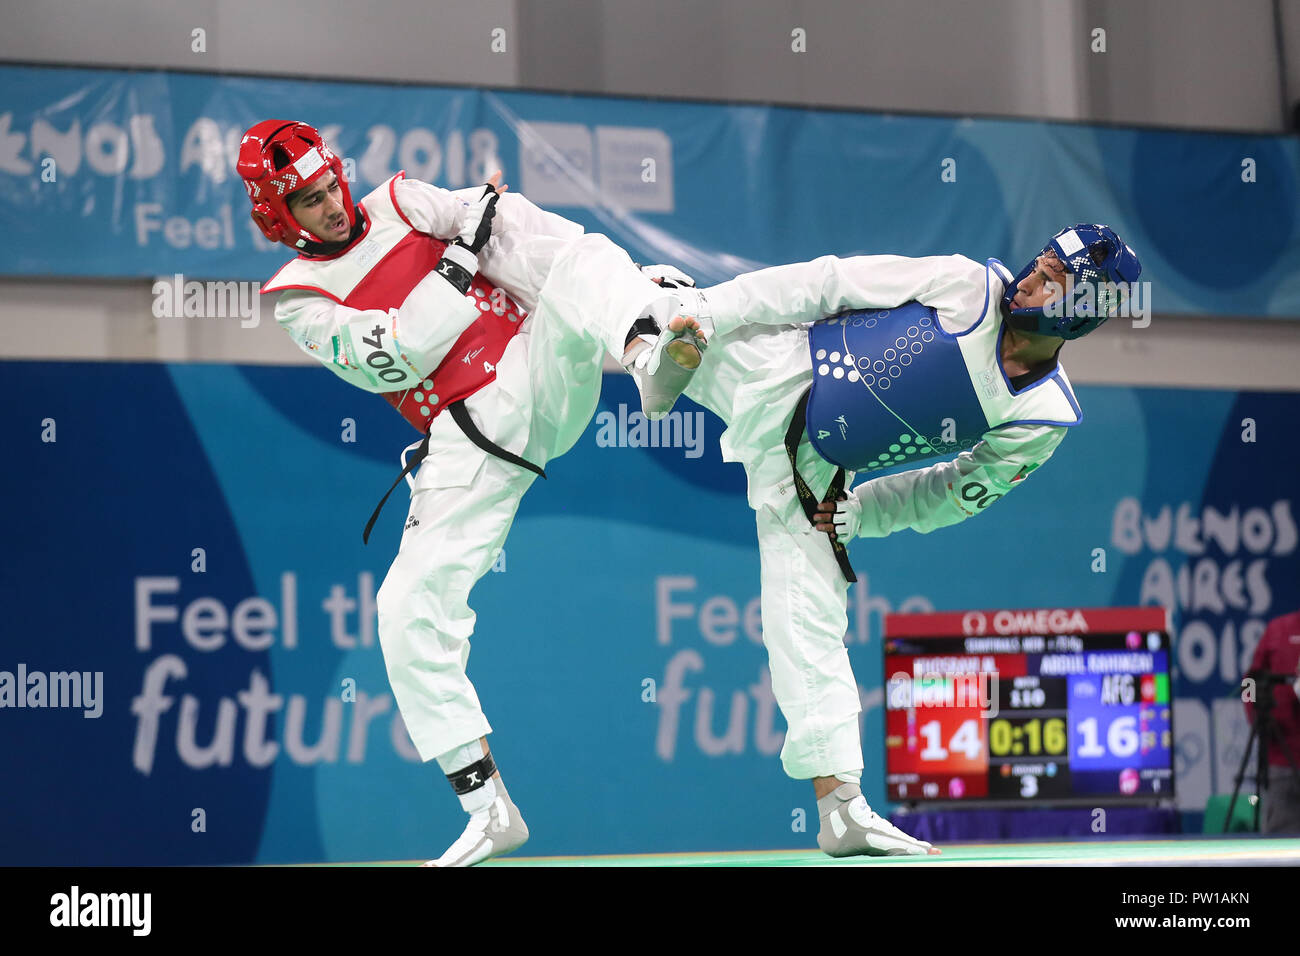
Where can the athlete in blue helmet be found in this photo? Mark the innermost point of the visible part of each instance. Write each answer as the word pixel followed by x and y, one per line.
pixel 825 369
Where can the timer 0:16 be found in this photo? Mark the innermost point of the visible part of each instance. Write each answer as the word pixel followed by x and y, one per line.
pixel 1032 737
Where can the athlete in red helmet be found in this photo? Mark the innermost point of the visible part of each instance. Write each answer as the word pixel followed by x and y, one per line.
pixel 480 304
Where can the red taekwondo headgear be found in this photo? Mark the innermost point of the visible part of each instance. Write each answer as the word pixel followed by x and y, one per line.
pixel 277 157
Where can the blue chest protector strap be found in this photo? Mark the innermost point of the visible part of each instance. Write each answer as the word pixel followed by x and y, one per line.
pixel 793 435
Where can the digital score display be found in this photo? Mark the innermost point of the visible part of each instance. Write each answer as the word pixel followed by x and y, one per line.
pixel 1043 705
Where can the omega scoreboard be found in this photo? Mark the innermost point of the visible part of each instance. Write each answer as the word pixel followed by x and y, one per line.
pixel 1043 706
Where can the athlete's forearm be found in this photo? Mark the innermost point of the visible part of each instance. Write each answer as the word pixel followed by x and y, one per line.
pixel 525 239
pixel 375 350
pixel 948 493
pixel 809 291
pixel 432 209
pixel 439 212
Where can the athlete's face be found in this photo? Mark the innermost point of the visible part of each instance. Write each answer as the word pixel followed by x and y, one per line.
pixel 1045 284
pixel 319 208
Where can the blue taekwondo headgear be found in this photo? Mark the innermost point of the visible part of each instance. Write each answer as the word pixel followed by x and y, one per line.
pixel 1100 267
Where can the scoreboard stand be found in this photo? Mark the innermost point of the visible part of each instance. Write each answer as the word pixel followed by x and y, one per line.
pixel 1002 824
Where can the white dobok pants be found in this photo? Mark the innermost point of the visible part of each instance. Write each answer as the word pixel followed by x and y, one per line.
pixel 586 295
pixel 752 378
pixel 546 391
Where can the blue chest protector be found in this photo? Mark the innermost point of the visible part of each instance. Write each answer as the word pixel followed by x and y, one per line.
pixel 884 381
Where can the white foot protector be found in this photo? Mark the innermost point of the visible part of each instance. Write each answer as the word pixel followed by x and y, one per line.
pixel 849 827
pixel 492 832
pixel 653 363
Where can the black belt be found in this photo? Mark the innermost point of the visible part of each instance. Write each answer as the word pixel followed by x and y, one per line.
pixel 809 501
pixel 460 415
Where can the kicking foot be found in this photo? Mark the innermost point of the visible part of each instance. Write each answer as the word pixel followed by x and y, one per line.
pixel 684 350
pixel 662 370
pixel 492 832
pixel 851 828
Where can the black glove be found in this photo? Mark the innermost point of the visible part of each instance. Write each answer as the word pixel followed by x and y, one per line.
pixel 667 277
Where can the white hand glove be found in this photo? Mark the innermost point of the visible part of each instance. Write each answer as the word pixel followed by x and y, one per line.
pixel 669 277
pixel 848 516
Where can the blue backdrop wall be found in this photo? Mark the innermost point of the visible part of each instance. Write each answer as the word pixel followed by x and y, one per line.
pixel 116 473
pixel 139 167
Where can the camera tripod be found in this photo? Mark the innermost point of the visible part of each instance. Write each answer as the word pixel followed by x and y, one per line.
pixel 1263 731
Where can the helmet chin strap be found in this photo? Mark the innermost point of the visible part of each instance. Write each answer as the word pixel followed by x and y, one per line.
pixel 1027 325
pixel 317 249
pixel 1021 323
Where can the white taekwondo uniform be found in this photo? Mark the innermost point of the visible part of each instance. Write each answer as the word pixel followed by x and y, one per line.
pixel 758 366
pixel 569 298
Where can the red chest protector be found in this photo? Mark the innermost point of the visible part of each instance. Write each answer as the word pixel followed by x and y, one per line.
pixel 379 271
